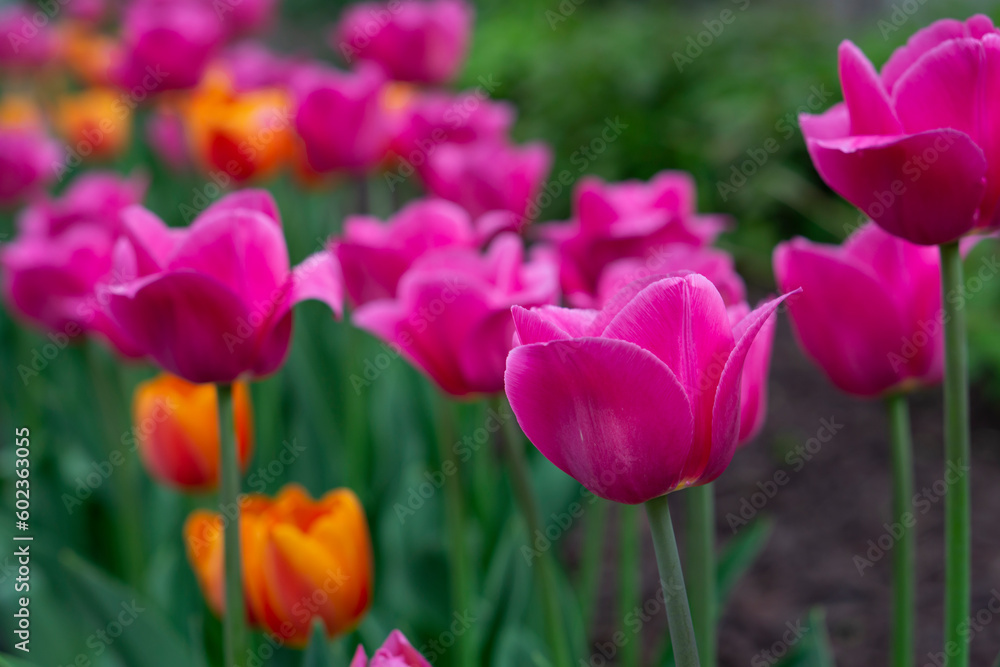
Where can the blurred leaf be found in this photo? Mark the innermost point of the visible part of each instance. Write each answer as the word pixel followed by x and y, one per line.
pixel 814 649
pixel 739 554
pixel 147 639
pixel 317 654
pixel 7 661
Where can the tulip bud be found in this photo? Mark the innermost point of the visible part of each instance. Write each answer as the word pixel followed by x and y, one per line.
pixel 395 652
pixel 301 559
pixel 177 426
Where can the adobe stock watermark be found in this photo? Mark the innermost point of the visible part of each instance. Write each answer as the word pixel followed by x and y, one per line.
pixel 772 655
pixel 435 648
pixel 797 458
pixel 565 9
pixel 758 156
pixel 967 629
pixel 557 525
pixel 379 16
pixel 922 503
pixel 901 13
pixel 33 24
pixel 102 638
pixel 697 43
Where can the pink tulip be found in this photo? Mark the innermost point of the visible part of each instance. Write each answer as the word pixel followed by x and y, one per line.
pixel 640 398
pixel 166 45
pixel 436 118
pixel 451 315
pixel 870 311
pixel 615 221
pixel 165 135
pixel 214 301
pixel 909 146
pixel 756 367
pixel 395 652
pixel 714 264
pixel 29 161
pixel 374 255
pixel 341 119
pixel 252 66
pixel 245 16
pixel 485 176
pixel 26 41
pixel 424 42
pixel 54 269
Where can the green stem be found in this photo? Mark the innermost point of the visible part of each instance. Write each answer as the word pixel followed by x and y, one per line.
pixel 628 572
pixel 701 568
pixel 672 580
pixel 590 567
pixel 520 481
pixel 461 590
pixel 958 542
pixel 904 575
pixel 235 634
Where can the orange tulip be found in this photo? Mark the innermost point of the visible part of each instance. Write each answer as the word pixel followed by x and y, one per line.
pixel 86 52
pixel 95 123
pixel 301 559
pixel 177 428
pixel 245 134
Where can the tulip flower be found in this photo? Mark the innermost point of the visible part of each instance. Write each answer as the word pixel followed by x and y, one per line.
pixel 451 314
pixel 95 123
pixel 54 269
pixel 294 549
pixel 29 158
pixel 246 16
pixel 484 176
pixel 177 428
pixel 395 652
pixel 214 301
pixel 251 66
pixel 166 45
pixel 436 118
pixel 907 145
pixel 26 44
pixel 359 139
pixel 423 42
pixel 870 312
pixel 244 134
pixel 591 388
pixel 632 220
pixel 374 255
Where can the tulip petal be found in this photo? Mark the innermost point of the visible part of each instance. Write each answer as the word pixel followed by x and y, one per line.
pixel 605 412
pixel 541 325
pixel 866 99
pixel 923 187
pixel 250 199
pixel 360 658
pixel 152 241
pixel 927 39
pixel 318 278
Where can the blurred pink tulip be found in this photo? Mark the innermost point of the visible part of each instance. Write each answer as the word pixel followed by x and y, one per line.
pixel 395 652
pixel 756 368
pixel 374 255
pixel 165 134
pixel 29 161
pixel 615 221
pixel 27 41
pixel 423 42
pixel 870 311
pixel 245 16
pixel 484 176
pixel 436 118
pixel 640 398
pixel 213 301
pixel 53 270
pixel 451 315
pixel 340 117
pixel 166 45
pixel 908 146
pixel 251 65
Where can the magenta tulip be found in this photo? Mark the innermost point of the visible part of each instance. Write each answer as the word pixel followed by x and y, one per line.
pixel 340 117
pixel 485 176
pixel 62 256
pixel 251 65
pixel 166 45
pixel 374 255
pixel 396 651
pixel 27 42
pixel 451 315
pixel 424 42
pixel 756 368
pixel 245 16
pixel 640 398
pixel 908 146
pixel 29 161
pixel 870 311
pixel 615 221
pixel 436 118
pixel 214 301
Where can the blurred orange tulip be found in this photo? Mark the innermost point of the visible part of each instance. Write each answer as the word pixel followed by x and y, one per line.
pixel 95 123
pixel 301 559
pixel 86 52
pixel 246 134
pixel 177 428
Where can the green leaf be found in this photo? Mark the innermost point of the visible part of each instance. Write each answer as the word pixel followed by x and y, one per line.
pixel 317 654
pixel 739 554
pixel 7 661
pixel 146 637
pixel 814 649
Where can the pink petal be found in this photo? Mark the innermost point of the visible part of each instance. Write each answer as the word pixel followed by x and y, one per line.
pixel 540 325
pixel 152 241
pixel 360 659
pixel 318 277
pixel 251 199
pixel 605 412
pixel 870 110
pixel 927 39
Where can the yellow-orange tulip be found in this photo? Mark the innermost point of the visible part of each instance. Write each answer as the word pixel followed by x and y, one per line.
pixel 95 123
pixel 177 429
pixel 247 135
pixel 302 558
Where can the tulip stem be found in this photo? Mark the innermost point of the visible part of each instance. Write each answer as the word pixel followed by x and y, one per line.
pixel 672 579
pixel 461 591
pixel 904 576
pixel 957 502
pixel 701 568
pixel 229 489
pixel 629 567
pixel 520 481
